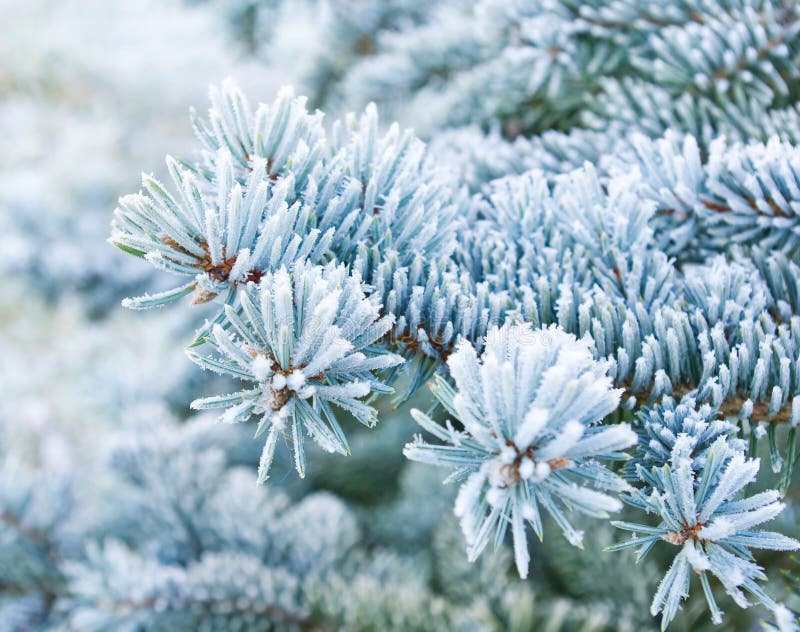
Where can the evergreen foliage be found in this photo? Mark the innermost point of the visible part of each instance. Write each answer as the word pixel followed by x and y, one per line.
pixel 305 342
pixel 657 328
pixel 528 441
pixel 702 515
pixel 591 258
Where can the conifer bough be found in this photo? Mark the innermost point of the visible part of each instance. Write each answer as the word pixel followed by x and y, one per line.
pixel 546 308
